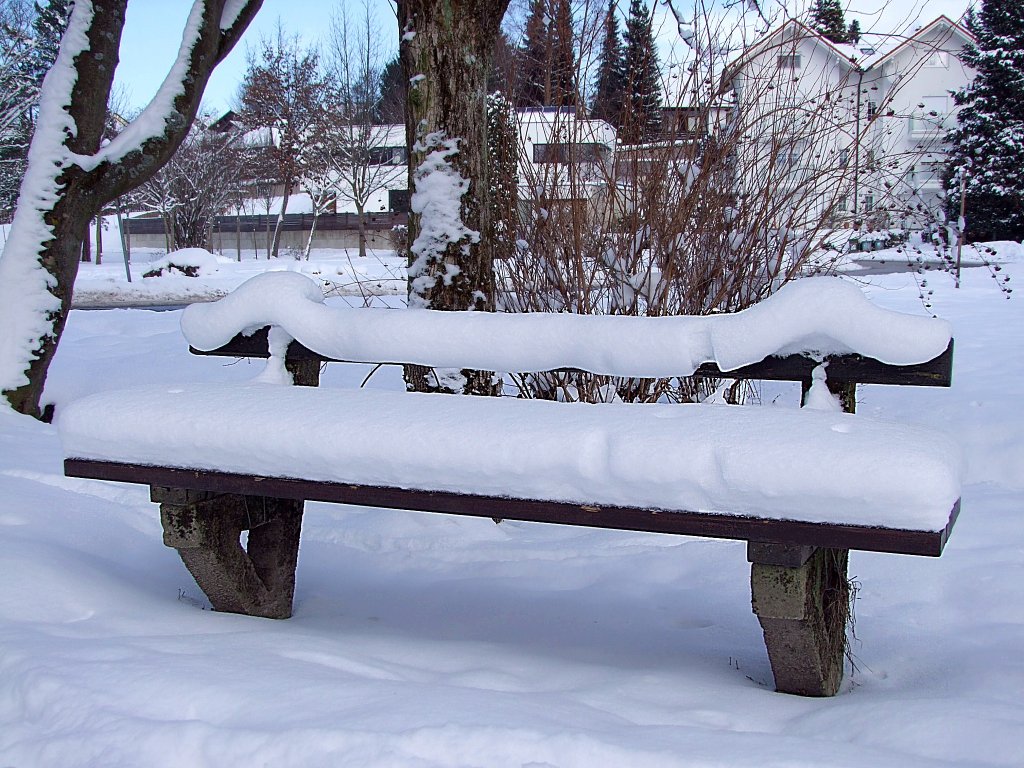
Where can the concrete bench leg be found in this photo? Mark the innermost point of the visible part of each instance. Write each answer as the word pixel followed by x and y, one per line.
pixel 801 597
pixel 205 528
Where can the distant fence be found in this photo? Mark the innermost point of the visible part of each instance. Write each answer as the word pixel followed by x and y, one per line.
pixel 293 222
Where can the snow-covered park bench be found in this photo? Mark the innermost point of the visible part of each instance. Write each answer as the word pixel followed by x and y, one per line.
pixel 802 486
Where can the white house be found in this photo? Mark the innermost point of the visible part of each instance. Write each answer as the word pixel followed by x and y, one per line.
pixel 850 133
pixel 915 80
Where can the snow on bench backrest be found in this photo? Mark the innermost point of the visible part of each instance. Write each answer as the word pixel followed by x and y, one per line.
pixel 816 316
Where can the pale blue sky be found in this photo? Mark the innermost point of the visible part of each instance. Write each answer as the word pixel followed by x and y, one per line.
pixel 153 33
pixel 153 30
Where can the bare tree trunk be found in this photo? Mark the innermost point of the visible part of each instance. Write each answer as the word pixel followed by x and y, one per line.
pixel 168 229
pixel 86 249
pixel 123 232
pixel 80 194
pixel 312 230
pixel 447 58
pixel 361 227
pixel 238 232
pixel 99 238
pixel 276 244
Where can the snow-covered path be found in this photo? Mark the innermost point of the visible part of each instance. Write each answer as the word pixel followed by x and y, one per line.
pixel 423 640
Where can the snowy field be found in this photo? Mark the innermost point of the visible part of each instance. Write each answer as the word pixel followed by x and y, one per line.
pixel 425 640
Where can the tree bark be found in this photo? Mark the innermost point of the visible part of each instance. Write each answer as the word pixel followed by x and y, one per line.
pixel 99 238
pixel 83 188
pixel 446 50
pixel 361 227
pixel 276 244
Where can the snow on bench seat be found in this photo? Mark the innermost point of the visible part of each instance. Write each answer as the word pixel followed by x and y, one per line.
pixel 770 462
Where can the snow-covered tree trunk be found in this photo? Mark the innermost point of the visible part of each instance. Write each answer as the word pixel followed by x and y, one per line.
pixel 446 49
pixel 69 178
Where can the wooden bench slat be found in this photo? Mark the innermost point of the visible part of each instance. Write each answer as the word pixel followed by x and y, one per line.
pixel 896 541
pixel 937 372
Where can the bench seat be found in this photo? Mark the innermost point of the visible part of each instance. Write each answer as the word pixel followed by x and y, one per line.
pixel 824 469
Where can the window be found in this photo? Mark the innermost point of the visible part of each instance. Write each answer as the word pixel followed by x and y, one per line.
pixel 788 61
pixel 869 203
pixel 872 110
pixel 567 153
pixel 844 158
pixel 937 59
pixel 400 200
pixel 387 156
pixel 789 157
pixel 929 116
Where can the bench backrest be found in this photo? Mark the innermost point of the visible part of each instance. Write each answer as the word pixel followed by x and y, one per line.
pixel 842 369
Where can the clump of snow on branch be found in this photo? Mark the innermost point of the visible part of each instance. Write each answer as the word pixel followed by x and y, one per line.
pixel 229 15
pixel 437 196
pixel 25 287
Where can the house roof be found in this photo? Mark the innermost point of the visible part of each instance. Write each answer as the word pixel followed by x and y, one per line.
pixel 882 47
pixel 799 30
pixel 917 35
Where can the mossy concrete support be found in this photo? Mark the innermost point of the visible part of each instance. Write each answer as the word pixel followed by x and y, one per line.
pixel 206 528
pixel 801 597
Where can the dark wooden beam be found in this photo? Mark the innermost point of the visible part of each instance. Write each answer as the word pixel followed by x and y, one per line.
pixel 937 372
pixel 596 516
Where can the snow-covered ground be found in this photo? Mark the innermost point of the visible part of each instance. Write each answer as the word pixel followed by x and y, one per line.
pixel 425 640
pixel 342 273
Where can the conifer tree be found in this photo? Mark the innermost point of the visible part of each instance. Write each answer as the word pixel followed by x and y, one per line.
pixel 987 146
pixel 392 93
pixel 35 54
pixel 827 18
pixel 641 116
pixel 534 72
pixel 547 70
pixel 611 72
pixel 853 32
pixel 48 28
pixel 563 92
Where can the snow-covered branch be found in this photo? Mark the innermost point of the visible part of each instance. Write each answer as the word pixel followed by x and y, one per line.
pixel 164 123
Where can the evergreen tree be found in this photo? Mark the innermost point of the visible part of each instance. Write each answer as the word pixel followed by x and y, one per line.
pixel 503 174
pixel 502 77
pixel 48 28
pixel 534 72
pixel 611 72
pixel 563 92
pixel 547 69
pixel 31 52
pixel 641 115
pixel 391 107
pixel 827 19
pixel 987 146
pixel 853 32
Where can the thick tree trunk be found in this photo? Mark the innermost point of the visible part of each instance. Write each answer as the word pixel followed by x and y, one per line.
pixel 445 51
pixel 80 188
